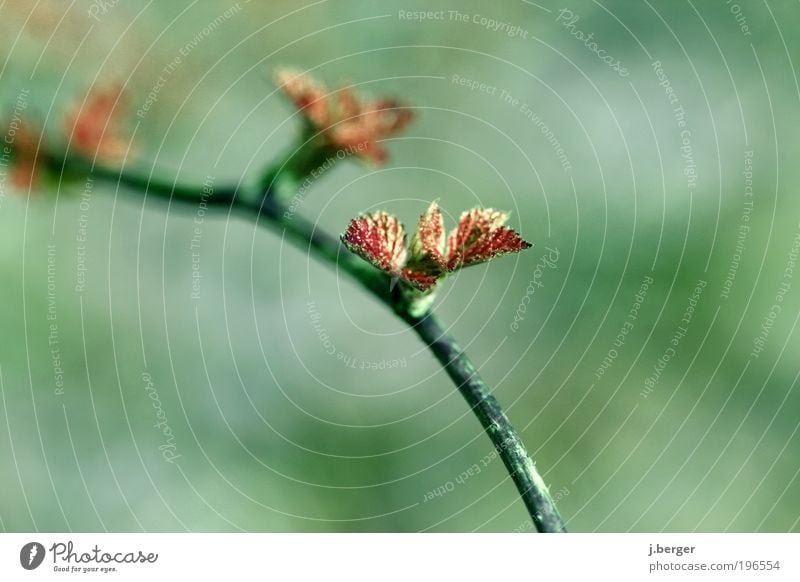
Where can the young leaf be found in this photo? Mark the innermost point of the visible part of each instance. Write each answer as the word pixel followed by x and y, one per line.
pixel 343 119
pixel 95 125
pixel 480 236
pixel 378 238
pixel 428 243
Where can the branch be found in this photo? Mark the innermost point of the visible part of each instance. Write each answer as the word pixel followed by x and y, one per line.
pixel 327 249
pixel 508 443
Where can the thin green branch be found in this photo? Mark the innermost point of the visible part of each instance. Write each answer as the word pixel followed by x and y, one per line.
pixel 327 249
pixel 505 439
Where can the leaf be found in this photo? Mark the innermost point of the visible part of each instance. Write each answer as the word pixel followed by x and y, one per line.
pixel 94 126
pixel 378 238
pixel 24 146
pixel 344 119
pixel 361 125
pixel 428 243
pixel 306 93
pixel 418 279
pixel 480 236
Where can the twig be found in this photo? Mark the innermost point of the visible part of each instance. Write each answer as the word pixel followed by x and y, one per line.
pixel 456 363
pixel 508 443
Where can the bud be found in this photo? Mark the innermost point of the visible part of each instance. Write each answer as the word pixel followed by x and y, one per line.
pixel 481 235
pixel 344 120
pixel 94 127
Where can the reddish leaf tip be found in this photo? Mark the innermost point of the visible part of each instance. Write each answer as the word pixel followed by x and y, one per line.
pixel 379 238
pixel 480 236
pixel 345 119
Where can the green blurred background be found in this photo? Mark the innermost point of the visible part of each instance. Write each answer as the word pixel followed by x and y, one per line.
pixel 275 434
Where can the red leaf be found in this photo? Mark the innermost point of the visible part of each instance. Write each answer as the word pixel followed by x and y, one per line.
pixel 428 242
pixel 378 238
pixel 25 162
pixel 306 93
pixel 418 279
pixel 94 126
pixel 481 235
pixel 363 124
pixel 346 120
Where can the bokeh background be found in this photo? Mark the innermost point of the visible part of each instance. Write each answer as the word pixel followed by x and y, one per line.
pixel 271 431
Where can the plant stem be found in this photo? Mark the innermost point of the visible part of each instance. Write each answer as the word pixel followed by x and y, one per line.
pixel 505 439
pixel 306 162
pixel 327 248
